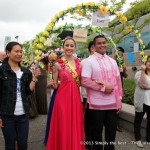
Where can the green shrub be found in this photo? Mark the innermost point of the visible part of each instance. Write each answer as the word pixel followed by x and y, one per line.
pixel 128 88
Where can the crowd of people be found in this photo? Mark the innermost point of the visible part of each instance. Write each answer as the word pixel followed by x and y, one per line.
pixel 86 99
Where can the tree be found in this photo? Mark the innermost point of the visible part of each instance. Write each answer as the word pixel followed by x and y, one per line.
pixel 133 14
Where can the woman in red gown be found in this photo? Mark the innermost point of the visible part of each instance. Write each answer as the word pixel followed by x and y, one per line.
pixel 67 125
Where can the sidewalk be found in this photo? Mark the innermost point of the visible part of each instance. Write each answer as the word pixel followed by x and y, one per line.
pixel 124 140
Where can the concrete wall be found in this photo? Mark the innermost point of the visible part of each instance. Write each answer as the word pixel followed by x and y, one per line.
pixel 126 119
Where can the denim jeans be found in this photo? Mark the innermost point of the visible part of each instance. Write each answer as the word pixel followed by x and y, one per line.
pixel 15 129
pixel 137 123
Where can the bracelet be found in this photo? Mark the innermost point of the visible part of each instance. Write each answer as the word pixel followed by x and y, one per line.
pixel 34 81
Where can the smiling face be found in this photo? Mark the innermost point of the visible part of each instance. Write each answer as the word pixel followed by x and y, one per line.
pixel 15 54
pixel 100 45
pixel 69 47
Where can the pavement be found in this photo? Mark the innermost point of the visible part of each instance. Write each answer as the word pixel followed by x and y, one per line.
pixel 124 140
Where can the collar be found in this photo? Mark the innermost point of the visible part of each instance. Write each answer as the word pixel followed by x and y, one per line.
pixel 7 67
pixel 100 55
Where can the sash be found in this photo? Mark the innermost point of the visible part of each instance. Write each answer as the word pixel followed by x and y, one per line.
pixel 72 71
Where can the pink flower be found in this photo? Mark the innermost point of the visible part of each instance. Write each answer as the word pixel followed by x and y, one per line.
pixel 60 61
pixel 62 64
pixel 57 50
pixel 77 63
pixel 75 55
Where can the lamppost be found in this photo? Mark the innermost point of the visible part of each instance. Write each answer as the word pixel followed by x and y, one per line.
pixel 16 37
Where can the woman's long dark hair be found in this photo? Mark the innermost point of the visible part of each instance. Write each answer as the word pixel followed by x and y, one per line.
pixel 9 47
pixel 45 61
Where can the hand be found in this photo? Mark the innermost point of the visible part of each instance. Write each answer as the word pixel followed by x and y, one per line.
pixel 37 72
pixel 99 82
pixel 143 67
pixel 50 82
pixel 144 87
pixel 120 69
pixel 1 123
pixel 108 89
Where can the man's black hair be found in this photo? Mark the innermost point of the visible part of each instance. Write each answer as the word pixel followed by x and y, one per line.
pixel 120 49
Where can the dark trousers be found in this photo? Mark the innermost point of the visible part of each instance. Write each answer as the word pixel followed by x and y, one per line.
pixel 15 129
pixel 137 123
pixel 97 120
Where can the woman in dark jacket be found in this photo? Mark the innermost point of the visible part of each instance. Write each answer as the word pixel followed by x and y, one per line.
pixel 16 84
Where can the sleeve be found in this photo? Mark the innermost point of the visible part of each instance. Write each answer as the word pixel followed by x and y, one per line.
pixel 28 91
pixel 118 90
pixel 137 78
pixel 86 80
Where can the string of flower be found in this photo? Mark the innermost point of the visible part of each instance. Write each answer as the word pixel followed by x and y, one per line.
pixel 38 43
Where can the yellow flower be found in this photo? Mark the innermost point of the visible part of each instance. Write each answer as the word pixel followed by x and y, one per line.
pixel 141 41
pixel 123 19
pixel 144 59
pixel 103 10
pixel 143 46
pixel 98 5
pixel 129 28
pixel 37 52
pixel 49 27
pixel 39 46
pixel 42 40
pixel 69 8
pixel 79 12
pixel 46 33
pixel 119 15
pixel 37 58
pixel 78 6
pixel 139 35
pixel 89 4
pixel 141 53
pixel 61 13
pixel 53 56
pixel 136 31
pixel 53 19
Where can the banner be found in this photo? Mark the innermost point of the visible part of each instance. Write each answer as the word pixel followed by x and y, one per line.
pixel 100 20
pixel 131 57
pixel 80 34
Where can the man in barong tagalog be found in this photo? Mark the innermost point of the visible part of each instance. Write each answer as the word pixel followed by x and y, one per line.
pixel 101 77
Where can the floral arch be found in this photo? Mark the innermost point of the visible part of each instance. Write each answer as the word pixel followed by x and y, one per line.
pixel 81 9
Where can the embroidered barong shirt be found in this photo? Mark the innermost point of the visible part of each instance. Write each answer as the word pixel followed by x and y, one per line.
pixel 101 68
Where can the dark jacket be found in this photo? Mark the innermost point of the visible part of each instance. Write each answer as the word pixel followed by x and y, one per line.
pixel 8 89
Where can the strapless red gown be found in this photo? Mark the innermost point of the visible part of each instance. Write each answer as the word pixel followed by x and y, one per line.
pixel 67 124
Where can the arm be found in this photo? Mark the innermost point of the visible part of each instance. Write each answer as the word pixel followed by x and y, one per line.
pixel 54 82
pixel 94 85
pixel 34 79
pixel 143 75
pixel 86 79
pixel 125 74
